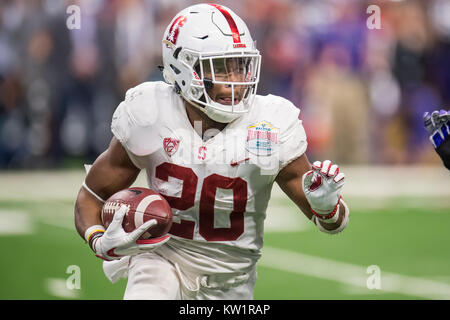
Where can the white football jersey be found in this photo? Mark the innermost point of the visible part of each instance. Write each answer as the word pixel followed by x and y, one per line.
pixel 219 188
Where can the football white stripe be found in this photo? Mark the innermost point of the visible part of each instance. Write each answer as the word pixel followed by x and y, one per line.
pixel 139 214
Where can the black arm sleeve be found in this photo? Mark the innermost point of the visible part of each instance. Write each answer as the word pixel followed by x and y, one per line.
pixel 444 152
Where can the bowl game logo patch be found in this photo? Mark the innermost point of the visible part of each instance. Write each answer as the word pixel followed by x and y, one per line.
pixel 262 138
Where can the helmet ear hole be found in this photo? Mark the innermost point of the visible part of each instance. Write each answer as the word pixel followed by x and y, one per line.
pixel 175 69
pixel 177 52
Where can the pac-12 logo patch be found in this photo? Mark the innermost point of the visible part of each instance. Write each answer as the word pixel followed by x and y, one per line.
pixel 262 138
pixel 170 145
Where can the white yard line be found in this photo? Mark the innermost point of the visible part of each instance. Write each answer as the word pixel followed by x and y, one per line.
pixel 351 274
pixel 69 225
pixel 377 182
pixel 285 219
pixel 15 222
pixel 58 288
pixel 393 181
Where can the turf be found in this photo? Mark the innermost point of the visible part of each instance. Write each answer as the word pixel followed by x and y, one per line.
pixel 406 241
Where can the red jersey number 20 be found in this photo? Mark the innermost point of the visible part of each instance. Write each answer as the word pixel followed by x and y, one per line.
pixel 186 201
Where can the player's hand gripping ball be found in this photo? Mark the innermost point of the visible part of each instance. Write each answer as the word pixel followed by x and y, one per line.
pixel 143 205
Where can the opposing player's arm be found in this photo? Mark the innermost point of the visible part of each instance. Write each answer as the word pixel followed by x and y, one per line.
pixel 290 180
pixel 438 126
pixel 112 171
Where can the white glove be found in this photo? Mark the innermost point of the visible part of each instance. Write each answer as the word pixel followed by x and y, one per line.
pixel 116 243
pixel 322 187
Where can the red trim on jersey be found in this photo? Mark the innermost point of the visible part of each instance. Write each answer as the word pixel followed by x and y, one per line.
pixel 230 20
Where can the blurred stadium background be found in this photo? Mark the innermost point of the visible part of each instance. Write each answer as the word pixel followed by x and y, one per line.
pixel 362 94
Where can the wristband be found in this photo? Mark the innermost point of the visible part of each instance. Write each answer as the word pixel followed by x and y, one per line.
pixel 93 241
pixel 341 227
pixel 329 215
pixel 332 219
pixel 93 230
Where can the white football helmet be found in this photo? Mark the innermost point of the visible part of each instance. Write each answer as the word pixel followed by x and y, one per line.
pixel 205 45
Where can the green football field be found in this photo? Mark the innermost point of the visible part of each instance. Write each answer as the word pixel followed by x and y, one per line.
pixel 395 246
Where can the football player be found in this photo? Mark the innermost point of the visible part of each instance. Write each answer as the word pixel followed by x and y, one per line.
pixel 213 148
pixel 438 126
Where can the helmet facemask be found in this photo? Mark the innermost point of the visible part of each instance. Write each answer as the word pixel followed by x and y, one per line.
pixel 238 72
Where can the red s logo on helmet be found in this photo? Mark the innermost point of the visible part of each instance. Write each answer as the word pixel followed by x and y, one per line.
pixel 175 29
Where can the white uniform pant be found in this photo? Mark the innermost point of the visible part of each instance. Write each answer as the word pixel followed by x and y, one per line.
pixel 152 277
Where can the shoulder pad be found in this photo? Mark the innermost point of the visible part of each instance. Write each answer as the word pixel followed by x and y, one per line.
pixel 143 101
pixel 282 117
pixel 134 122
pixel 277 110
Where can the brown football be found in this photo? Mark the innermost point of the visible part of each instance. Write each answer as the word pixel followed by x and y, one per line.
pixel 144 204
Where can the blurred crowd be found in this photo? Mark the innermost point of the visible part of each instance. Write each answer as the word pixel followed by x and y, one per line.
pixel 361 91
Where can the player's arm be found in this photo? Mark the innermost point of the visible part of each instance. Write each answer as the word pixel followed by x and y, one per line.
pixel 112 171
pixel 438 126
pixel 322 202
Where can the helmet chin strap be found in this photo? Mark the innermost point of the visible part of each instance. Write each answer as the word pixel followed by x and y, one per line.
pixel 222 116
pixel 214 113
